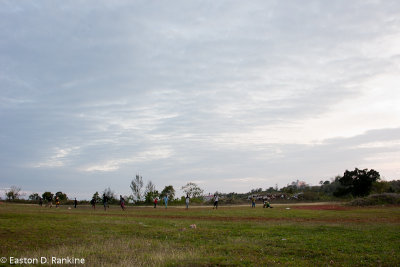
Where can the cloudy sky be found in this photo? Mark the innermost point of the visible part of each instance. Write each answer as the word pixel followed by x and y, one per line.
pixel 232 95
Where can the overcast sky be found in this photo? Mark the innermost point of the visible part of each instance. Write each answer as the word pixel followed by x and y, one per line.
pixel 232 95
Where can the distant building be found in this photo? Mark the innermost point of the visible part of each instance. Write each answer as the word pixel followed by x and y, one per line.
pixel 208 197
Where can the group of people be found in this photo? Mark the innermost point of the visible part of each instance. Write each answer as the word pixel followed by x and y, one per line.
pixel 57 200
pixel 266 203
pixel 105 200
pixel 166 199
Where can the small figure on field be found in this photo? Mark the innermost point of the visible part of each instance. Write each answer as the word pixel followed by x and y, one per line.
pixel 122 202
pixel 267 205
pixel 40 201
pixel 155 202
pixel 93 203
pixel 105 201
pixel 75 203
pixel 187 201
pixel 253 202
pixel 57 202
pixel 215 201
pixel 166 201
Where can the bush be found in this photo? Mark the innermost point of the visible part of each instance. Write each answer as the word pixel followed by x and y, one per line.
pixel 377 199
pixel 309 196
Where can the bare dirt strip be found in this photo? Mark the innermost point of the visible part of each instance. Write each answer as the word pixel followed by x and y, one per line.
pixel 137 213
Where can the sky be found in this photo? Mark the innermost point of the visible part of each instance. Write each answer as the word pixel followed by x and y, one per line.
pixel 231 95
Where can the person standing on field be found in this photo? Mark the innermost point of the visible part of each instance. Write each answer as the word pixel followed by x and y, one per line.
pixel 105 199
pixel 187 201
pixel 155 202
pixel 166 201
pixel 215 201
pixel 75 203
pixel 122 202
pixel 93 202
pixel 57 202
pixel 253 202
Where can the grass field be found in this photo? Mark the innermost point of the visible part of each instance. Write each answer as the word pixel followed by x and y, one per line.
pixel 325 235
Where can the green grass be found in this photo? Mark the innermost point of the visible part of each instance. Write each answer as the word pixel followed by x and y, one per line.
pixel 227 236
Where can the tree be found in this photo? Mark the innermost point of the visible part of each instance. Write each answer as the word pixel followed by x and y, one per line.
pixel 13 193
pixel 192 190
pixel 97 197
pixel 34 197
pixel 151 195
pixel 357 182
pixel 109 194
pixel 48 196
pixel 62 196
pixel 136 186
pixel 270 190
pixel 255 190
pixel 150 187
pixel 168 190
pixel 150 192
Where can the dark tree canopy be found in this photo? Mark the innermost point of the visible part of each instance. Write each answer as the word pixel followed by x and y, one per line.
pixel 47 195
pixel 168 190
pixel 96 197
pixel 62 196
pixel 34 196
pixel 357 182
pixel 151 195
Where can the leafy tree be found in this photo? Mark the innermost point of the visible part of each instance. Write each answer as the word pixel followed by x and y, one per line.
pixel 150 192
pixel 62 196
pixel 380 187
pixel 136 187
pixel 168 190
pixel 232 195
pixel 270 190
pixel 394 186
pixel 192 190
pixel 357 182
pixel 34 197
pixel 97 197
pixel 13 193
pixel 151 195
pixel 48 196
pixel 256 190
pixel 289 189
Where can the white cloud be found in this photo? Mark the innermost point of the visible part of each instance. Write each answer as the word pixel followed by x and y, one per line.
pixel 59 157
pixel 110 165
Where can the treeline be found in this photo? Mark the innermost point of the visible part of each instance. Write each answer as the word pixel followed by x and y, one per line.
pixel 141 195
pixel 353 184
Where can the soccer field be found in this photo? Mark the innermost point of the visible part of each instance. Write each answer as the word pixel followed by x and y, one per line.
pixel 298 235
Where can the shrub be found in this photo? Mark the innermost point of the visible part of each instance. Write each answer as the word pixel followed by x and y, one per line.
pixel 377 199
